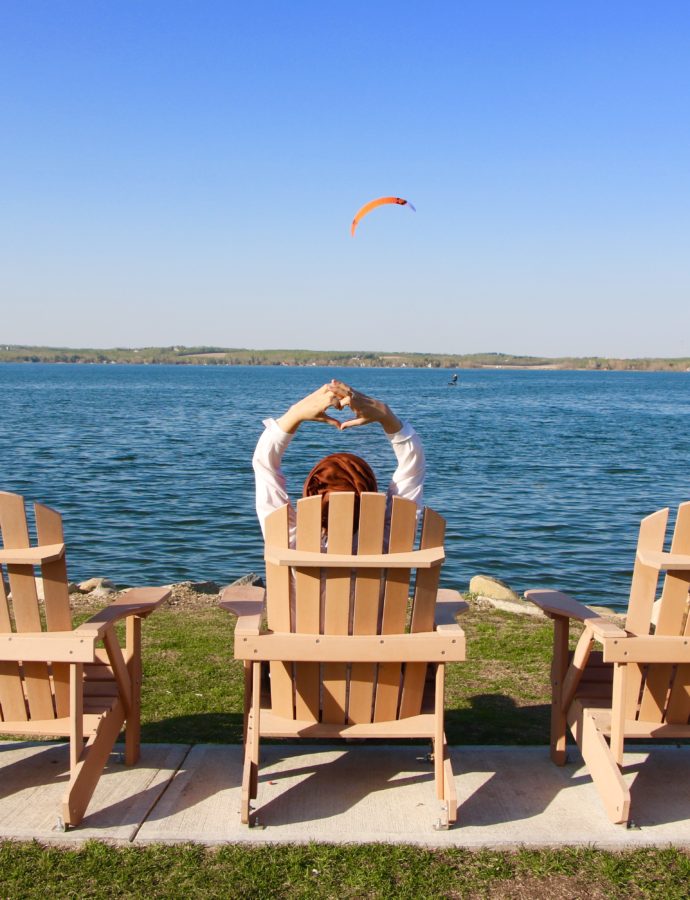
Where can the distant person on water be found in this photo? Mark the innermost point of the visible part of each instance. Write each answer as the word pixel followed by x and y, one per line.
pixel 453 379
pixel 339 471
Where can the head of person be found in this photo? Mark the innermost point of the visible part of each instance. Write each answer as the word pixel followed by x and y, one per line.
pixel 339 472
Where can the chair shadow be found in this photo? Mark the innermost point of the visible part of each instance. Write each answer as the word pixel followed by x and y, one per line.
pixel 333 786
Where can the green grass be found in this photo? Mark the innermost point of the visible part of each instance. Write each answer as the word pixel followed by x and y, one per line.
pixel 97 870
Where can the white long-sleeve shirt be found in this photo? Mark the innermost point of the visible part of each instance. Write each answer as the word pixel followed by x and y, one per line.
pixel 271 494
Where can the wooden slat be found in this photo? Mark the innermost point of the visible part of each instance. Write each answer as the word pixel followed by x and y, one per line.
pixel 432 646
pixel 421 726
pixel 365 616
pixel 58 727
pixel 56 593
pixel 642 597
pixel 12 699
pixel 308 608
pixel 32 648
pixel 678 706
pixel 396 591
pixel 419 559
pixel 337 603
pixel 423 609
pixel 278 610
pixel 15 534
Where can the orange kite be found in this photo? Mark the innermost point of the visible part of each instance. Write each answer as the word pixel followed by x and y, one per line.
pixel 381 201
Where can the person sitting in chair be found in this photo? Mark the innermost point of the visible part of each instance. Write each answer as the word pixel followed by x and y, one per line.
pixel 338 471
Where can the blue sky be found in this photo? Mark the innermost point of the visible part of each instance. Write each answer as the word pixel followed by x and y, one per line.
pixel 186 172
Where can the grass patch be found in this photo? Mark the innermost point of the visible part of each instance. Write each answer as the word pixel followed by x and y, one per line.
pixel 98 870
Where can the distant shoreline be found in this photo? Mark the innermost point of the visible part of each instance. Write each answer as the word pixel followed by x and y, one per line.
pixel 221 356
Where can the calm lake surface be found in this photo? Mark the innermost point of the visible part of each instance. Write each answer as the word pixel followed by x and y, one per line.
pixel 543 476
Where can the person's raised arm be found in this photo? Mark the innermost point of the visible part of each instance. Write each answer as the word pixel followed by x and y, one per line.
pixel 271 490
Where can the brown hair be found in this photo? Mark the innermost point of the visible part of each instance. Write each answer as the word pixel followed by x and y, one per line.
pixel 339 472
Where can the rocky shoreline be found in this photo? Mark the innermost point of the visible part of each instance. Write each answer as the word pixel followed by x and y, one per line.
pixel 485 591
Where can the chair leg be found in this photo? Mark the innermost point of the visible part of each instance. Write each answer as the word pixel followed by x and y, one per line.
pixel 603 768
pixel 559 667
pixel 85 773
pixel 250 774
pixel 449 792
pixel 133 729
pixel 439 737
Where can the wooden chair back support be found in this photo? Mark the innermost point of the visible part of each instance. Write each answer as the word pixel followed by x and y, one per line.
pixel 32 690
pixel 659 692
pixel 350 601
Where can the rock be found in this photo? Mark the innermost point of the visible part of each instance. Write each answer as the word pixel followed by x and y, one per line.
pixel 96 584
pixel 197 587
pixel 251 579
pixel 494 588
pixel 519 607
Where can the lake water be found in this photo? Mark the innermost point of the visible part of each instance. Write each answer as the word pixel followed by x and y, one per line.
pixel 543 476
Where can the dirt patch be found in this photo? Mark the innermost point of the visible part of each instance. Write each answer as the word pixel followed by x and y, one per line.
pixel 556 887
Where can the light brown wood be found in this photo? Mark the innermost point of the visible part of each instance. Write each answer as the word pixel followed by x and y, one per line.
pixel 367 601
pixel 56 594
pixel 351 622
pixel 424 606
pixel 32 556
pixel 606 775
pixel 84 776
pixel 639 685
pixel 652 649
pixel 337 604
pixel 53 646
pixel 439 737
pixel 421 726
pixel 12 702
pixel 308 608
pixel 432 646
pixel 418 559
pixel 396 592
pixel 674 619
pixel 665 562
pixel 278 609
pixel 559 668
pixel 15 535
pixel 76 702
pixel 65 685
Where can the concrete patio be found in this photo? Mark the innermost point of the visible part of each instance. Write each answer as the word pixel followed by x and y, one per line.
pixel 508 797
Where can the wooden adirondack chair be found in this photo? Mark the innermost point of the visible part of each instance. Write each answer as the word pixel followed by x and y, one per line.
pixel 638 686
pixel 54 682
pixel 342 663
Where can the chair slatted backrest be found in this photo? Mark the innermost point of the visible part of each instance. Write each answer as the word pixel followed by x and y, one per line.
pixel 32 690
pixel 346 601
pixel 659 692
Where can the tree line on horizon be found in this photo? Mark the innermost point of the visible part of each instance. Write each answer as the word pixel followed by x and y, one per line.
pixel 179 355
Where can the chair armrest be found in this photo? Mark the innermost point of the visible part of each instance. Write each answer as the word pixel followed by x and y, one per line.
pixel 247 603
pixel 32 556
pixel 139 602
pixel 448 606
pixel 556 604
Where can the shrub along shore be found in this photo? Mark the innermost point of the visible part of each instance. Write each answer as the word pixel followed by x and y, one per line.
pixel 224 356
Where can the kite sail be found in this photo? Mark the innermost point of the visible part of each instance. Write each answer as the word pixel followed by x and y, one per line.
pixel 381 201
